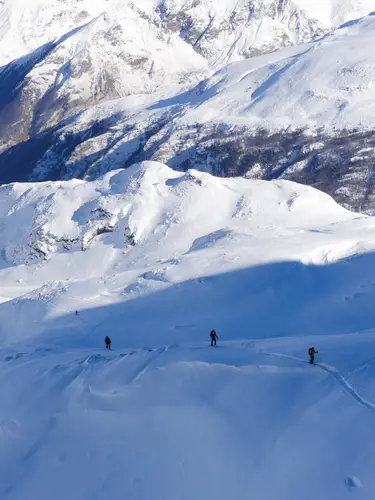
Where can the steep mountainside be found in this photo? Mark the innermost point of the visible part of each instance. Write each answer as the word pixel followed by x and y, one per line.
pixel 74 54
pixel 86 88
pixel 303 113
pixel 219 30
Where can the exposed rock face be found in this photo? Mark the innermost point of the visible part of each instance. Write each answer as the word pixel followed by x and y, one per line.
pixel 246 28
pixel 341 165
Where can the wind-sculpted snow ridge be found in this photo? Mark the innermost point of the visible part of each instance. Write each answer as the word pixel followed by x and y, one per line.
pixel 39 220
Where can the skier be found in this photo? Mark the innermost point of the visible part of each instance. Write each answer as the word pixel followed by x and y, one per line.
pixel 312 353
pixel 108 342
pixel 76 313
pixel 214 337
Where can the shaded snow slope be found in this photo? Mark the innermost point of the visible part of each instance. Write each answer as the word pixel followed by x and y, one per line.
pixel 157 258
pixel 189 422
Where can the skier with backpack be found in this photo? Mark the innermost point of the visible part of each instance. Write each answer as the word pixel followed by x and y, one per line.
pixel 213 337
pixel 312 353
pixel 108 342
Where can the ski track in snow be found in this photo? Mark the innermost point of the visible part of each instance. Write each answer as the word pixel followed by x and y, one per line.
pixel 349 389
pixel 156 352
pixel 15 477
pixel 331 370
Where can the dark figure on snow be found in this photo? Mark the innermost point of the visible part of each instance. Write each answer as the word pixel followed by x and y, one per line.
pixel 76 313
pixel 213 337
pixel 312 353
pixel 108 342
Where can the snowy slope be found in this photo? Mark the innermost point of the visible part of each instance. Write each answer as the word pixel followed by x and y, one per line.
pixel 156 258
pixel 304 113
pixel 335 12
pixel 116 242
pixel 229 27
pixel 86 88
pixel 60 58
pixel 186 422
pixel 327 83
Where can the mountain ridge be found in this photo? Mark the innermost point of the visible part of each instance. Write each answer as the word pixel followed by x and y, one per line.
pixel 286 113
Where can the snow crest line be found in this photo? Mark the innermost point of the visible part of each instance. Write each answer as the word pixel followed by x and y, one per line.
pixel 331 370
pixel 142 369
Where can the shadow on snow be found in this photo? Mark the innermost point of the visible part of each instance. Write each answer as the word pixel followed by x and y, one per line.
pixel 270 300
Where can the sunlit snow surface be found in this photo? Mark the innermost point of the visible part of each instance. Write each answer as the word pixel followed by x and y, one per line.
pixel 25 25
pixel 156 259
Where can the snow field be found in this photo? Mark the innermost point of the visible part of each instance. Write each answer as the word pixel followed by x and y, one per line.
pixel 188 421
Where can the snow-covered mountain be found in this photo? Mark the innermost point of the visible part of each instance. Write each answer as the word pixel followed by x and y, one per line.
pixel 144 230
pixel 74 54
pixel 220 31
pixel 157 258
pixel 303 112
pixel 111 49
pixel 109 84
pixel 107 244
